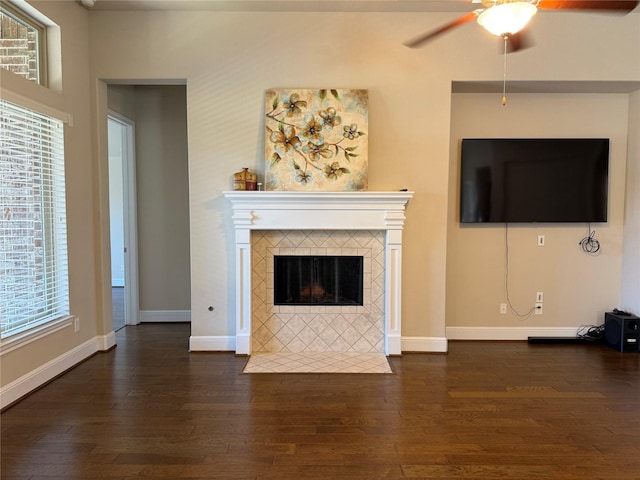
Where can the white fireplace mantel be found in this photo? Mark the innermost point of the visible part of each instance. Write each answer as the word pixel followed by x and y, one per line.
pixel 362 210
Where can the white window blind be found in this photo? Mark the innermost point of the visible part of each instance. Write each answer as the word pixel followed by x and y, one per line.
pixel 34 286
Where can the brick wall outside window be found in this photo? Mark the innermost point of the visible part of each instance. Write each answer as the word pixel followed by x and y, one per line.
pixel 18 47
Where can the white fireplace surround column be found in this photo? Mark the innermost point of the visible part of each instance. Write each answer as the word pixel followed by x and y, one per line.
pixel 361 210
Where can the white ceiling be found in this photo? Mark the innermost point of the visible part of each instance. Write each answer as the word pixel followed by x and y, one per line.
pixel 289 5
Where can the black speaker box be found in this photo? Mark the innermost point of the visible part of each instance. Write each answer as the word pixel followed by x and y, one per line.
pixel 622 332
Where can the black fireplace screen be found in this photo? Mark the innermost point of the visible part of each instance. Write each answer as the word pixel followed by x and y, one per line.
pixel 311 280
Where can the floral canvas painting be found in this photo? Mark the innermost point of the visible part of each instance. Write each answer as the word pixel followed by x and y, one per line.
pixel 316 139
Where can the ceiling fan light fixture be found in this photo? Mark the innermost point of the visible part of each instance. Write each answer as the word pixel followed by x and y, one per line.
pixel 507 18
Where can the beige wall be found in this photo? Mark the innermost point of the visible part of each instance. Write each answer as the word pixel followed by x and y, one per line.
pixel 163 197
pixel 230 58
pixel 74 99
pixel 122 99
pixel 578 288
pixel 630 287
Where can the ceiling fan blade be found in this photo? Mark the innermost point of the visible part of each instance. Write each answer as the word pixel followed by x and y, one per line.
pixel 519 41
pixel 622 6
pixel 426 37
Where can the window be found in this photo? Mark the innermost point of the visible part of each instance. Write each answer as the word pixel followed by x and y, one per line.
pixel 22 44
pixel 34 287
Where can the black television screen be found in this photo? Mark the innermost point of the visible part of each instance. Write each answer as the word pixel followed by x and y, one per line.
pixel 534 180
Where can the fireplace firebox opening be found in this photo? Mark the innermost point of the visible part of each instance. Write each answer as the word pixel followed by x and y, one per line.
pixel 318 280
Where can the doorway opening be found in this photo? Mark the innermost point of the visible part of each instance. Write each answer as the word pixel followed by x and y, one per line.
pixel 155 195
pixel 122 215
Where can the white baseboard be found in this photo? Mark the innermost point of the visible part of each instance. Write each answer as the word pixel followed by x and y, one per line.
pixel 212 344
pixel 424 344
pixel 507 333
pixel 158 316
pixel 416 344
pixel 36 378
pixel 106 342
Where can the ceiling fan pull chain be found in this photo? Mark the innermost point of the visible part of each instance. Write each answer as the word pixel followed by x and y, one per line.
pixel 504 77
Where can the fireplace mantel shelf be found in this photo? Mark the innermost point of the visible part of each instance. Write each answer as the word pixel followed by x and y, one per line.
pixel 282 195
pixel 276 210
pixel 288 210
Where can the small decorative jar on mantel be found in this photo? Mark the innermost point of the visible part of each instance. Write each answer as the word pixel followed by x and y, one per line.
pixel 245 180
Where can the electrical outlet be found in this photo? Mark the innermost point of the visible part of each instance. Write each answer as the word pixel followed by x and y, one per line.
pixel 539 297
pixel 539 308
pixel 76 325
pixel 541 240
pixel 503 308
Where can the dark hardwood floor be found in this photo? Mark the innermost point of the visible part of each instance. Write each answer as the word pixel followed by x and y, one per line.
pixel 488 410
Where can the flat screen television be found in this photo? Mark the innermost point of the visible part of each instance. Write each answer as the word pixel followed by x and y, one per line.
pixel 505 180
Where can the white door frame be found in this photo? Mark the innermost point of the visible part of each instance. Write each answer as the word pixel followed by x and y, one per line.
pixel 131 300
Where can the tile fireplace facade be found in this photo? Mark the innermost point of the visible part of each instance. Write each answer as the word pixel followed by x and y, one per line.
pixel 318 223
pixel 317 328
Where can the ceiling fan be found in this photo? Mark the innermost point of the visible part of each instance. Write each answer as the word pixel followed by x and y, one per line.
pixel 507 18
